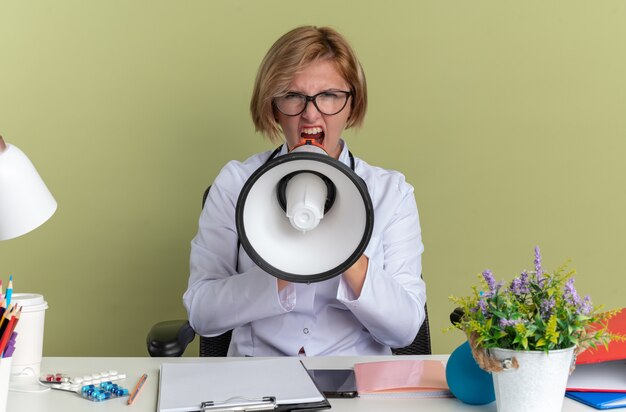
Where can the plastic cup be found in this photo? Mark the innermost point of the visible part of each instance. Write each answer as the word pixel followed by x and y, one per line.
pixel 29 341
pixel 5 374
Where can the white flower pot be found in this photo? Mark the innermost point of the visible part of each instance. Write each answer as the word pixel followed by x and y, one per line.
pixel 537 385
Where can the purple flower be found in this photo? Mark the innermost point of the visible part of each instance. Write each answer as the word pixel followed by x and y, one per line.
pixel 482 305
pixel 491 281
pixel 504 323
pixel 582 306
pixel 547 307
pixel 519 285
pixel 538 268
pixel 586 307
pixel 570 295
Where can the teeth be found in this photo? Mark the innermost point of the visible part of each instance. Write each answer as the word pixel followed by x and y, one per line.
pixel 312 130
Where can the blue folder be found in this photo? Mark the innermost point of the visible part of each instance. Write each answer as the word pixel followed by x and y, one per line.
pixel 600 400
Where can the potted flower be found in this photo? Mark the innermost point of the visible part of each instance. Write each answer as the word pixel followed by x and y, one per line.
pixel 527 333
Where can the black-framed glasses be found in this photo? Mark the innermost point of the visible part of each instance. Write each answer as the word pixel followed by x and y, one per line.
pixel 328 103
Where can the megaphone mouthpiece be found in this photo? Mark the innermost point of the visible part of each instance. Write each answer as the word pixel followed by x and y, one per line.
pixel 305 197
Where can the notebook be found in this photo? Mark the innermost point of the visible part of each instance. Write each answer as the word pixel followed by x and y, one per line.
pixel 216 385
pixel 402 379
pixel 599 400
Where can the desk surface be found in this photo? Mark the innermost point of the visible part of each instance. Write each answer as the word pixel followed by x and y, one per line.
pixel 55 400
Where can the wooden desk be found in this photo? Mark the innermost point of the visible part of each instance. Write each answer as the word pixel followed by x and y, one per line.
pixel 54 400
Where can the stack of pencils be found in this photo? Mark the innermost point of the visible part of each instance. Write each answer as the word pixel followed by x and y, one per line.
pixel 9 316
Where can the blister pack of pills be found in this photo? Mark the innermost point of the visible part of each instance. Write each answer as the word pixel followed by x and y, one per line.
pixel 103 392
pixel 70 383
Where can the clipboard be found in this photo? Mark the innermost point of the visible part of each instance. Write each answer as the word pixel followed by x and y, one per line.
pixel 239 385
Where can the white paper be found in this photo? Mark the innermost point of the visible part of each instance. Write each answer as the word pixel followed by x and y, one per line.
pixel 602 376
pixel 184 386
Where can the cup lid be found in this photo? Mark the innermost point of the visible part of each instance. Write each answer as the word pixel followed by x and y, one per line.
pixel 28 301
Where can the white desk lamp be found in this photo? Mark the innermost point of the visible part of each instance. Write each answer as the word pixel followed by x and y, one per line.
pixel 25 204
pixel 25 201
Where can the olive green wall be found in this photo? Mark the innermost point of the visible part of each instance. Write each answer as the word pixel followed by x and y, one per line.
pixel 509 118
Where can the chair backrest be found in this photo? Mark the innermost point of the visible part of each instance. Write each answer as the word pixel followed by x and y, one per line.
pixel 214 346
pixel 421 343
pixel 217 346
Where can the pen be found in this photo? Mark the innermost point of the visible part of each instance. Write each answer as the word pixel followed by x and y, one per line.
pixel 137 389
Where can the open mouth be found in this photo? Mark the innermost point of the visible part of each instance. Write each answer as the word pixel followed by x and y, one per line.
pixel 313 133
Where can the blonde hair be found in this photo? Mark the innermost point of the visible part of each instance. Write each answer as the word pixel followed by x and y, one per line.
pixel 290 54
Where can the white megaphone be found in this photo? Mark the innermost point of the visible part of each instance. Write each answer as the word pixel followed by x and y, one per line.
pixel 305 216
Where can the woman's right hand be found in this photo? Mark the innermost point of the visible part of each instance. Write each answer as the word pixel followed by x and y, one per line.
pixel 282 284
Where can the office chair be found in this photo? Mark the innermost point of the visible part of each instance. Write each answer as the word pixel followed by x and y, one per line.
pixel 170 338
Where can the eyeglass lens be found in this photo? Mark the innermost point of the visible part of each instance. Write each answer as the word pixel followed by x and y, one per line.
pixel 328 103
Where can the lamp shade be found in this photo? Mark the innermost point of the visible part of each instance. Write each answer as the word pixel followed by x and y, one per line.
pixel 25 201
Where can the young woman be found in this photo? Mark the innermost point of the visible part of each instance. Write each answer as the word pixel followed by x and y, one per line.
pixel 309 85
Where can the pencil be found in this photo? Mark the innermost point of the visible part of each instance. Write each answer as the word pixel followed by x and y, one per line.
pixel 9 290
pixel 5 318
pixel 137 389
pixel 6 335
